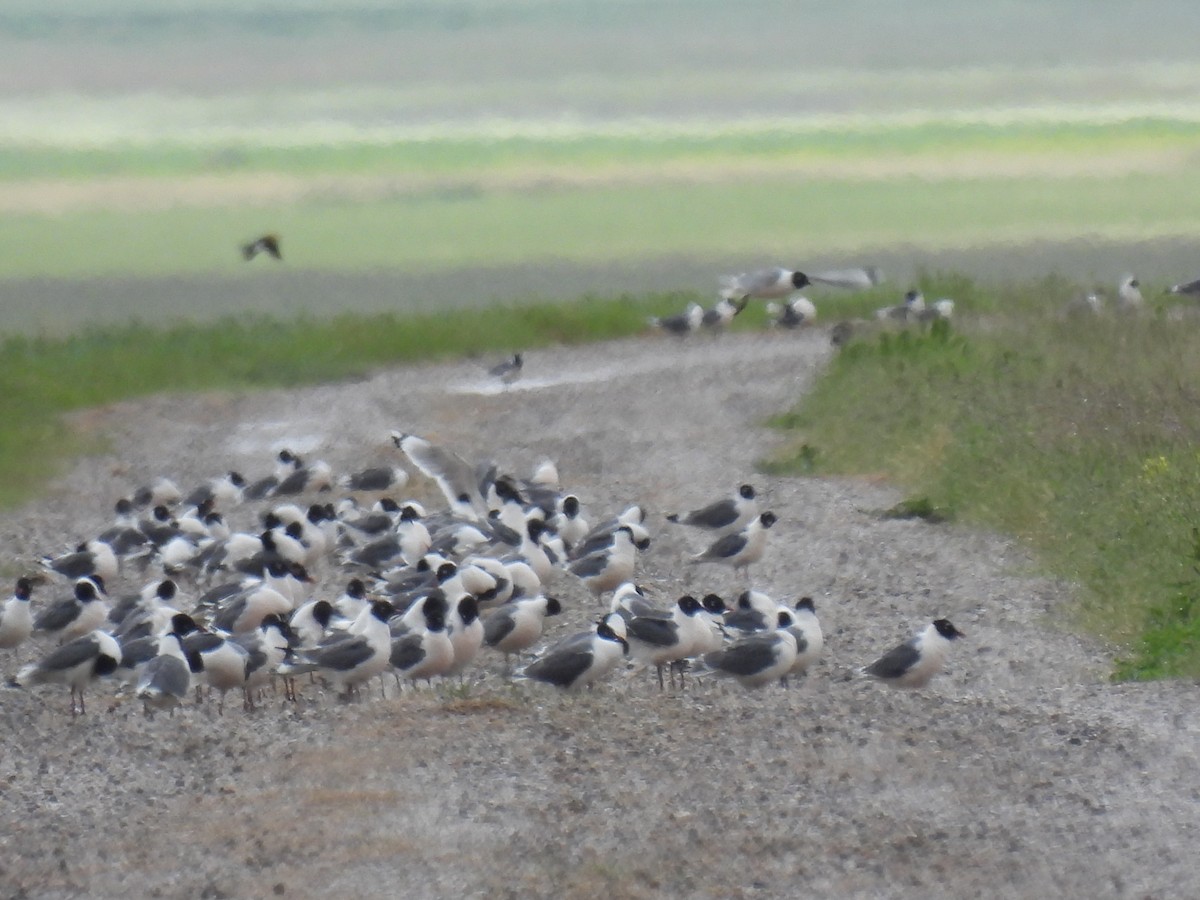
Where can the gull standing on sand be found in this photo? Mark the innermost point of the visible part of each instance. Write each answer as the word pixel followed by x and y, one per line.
pixel 722 516
pixel 740 549
pixel 913 663
pixel 582 659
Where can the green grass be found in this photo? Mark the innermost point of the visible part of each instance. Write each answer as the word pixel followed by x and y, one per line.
pixel 1078 437
pixel 658 144
pixel 621 222
pixel 45 379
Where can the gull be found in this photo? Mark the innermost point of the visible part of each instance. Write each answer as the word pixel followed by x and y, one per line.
pixel 268 244
pixel 722 516
pixel 723 312
pixel 607 568
pixel 266 648
pixel 1190 288
pixel 810 639
pixel 757 659
pixel 766 284
pixel 568 521
pixel 88 558
pixel 423 649
pixel 910 308
pixel 161 492
pixel 225 490
pixel 797 312
pixel 680 323
pixel 582 659
pixel 509 370
pixel 1129 294
pixel 86 610
pixel 223 662
pixel 348 660
pixel 166 679
pixel 938 310
pixel 466 633
pixel 913 663
pixel 16 618
pixel 661 640
pixel 752 611
pixel 374 480
pixel 741 548
pixel 455 477
pixel 518 625
pixel 75 664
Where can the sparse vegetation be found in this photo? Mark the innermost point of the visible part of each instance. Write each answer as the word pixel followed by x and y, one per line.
pixel 1078 436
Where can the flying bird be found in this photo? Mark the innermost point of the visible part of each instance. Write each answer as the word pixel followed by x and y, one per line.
pixel 268 244
pixel 913 663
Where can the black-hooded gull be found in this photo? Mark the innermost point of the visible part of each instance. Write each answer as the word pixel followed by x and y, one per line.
pixel 798 312
pixel 722 516
pixel 607 568
pixel 422 649
pixel 1129 295
pixel 582 659
pixel 722 313
pixel 759 658
pixel 348 660
pixel 765 284
pixel 71 617
pixel 16 617
pixel 662 640
pixel 75 664
pixel 913 663
pixel 517 626
pixel 89 558
pixel 266 649
pixel 466 633
pixel 223 663
pixel 682 323
pixel 810 639
pixel 166 679
pixel 224 490
pixel 740 549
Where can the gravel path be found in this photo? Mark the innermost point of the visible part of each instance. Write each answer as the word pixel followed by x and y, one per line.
pixel 1019 772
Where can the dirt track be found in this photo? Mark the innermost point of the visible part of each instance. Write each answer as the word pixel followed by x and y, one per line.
pixel 1020 772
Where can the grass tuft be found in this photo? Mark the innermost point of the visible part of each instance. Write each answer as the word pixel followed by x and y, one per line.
pixel 1078 436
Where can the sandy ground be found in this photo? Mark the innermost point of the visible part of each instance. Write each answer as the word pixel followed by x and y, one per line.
pixel 1020 772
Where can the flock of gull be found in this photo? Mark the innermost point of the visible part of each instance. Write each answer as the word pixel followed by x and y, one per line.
pixel 419 594
pixel 334 578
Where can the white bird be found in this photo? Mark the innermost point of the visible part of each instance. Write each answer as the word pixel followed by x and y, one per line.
pixel 722 516
pixel 740 549
pixel 752 611
pixel 568 521
pixel 1129 295
pixel 938 310
pixel 712 615
pixel 266 648
pixel 723 312
pixel 223 663
pixel 810 639
pixel 466 633
pixel 908 310
pixel 161 492
pixel 759 658
pixel 86 610
pixel 662 640
pixel 766 284
pixel 582 659
pixel 680 323
pixel 166 679
pixel 374 481
pixel 75 664
pixel 518 625
pixel 224 491
pixel 913 663
pixel 89 558
pixel 608 567
pixel 797 312
pixel 16 618
pixel 348 660
pixel 424 649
